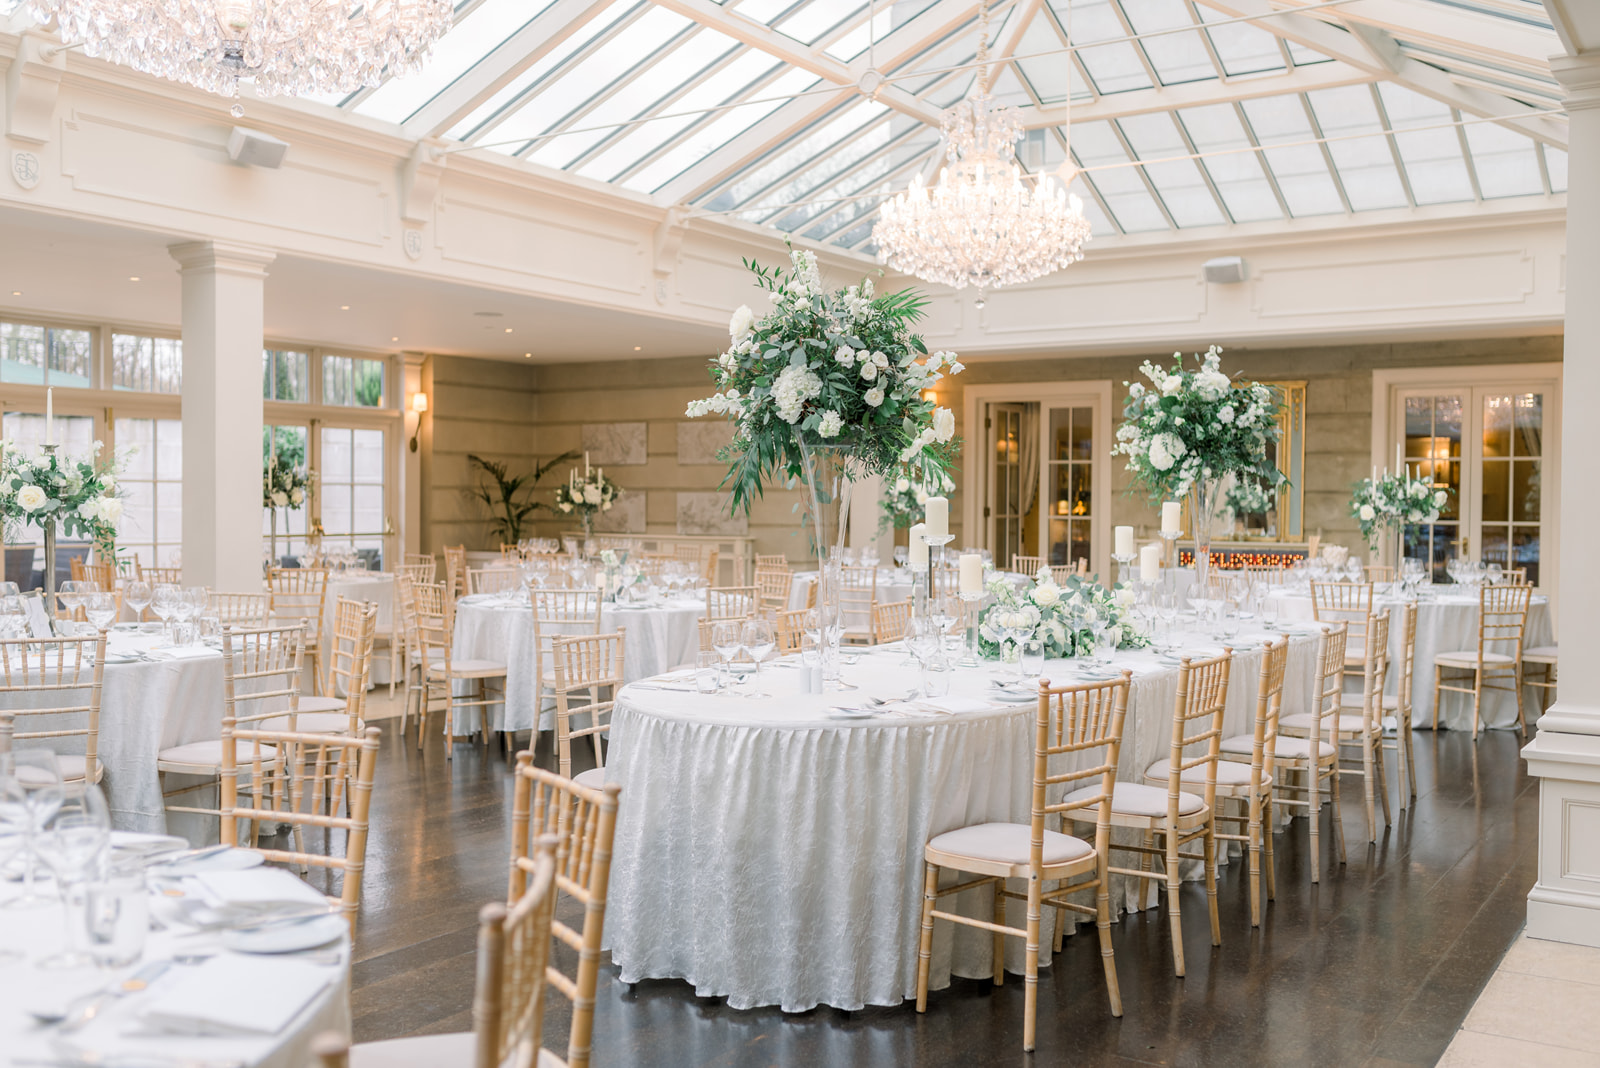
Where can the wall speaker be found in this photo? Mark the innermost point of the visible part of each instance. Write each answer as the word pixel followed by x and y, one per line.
pixel 255 148
pixel 1225 270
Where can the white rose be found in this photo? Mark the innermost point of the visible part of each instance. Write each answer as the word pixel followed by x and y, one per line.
pixel 922 496
pixel 1136 390
pixel 1438 499
pixel 1171 384
pixel 1367 513
pixel 280 498
pixel 739 325
pixel 874 396
pixel 846 355
pixel 869 371
pixel 881 360
pixel 297 496
pixel 591 495
pixel 1418 490
pixel 1045 595
pixel 944 424
pixel 566 506
pixel 902 485
pixel 1225 414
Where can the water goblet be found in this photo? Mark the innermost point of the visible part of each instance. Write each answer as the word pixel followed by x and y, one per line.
pixel 101 608
pixel 757 639
pixel 30 794
pixel 73 841
pixel 725 642
pixel 163 603
pixel 116 912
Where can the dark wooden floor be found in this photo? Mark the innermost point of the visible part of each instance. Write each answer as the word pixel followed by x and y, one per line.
pixel 1378 965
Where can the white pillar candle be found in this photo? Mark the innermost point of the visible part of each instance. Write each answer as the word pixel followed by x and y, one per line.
pixel 49 416
pixel 1124 541
pixel 1397 458
pixel 971 575
pixel 1171 516
pixel 1150 563
pixel 585 465
pixel 919 548
pixel 937 516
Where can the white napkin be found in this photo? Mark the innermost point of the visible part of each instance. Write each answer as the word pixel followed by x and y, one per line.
pixel 235 995
pixel 256 889
pixel 956 705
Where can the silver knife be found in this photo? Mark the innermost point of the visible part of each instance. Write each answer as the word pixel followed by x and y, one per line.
pixel 136 982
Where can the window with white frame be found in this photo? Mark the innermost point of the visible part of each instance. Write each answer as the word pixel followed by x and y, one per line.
pixel 151 529
pixel 146 364
pixel 37 355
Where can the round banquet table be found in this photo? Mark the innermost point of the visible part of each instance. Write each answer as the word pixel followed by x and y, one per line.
pixel 322 987
pixel 495 627
pixel 894 584
pixel 1446 622
pixel 376 587
pixel 770 854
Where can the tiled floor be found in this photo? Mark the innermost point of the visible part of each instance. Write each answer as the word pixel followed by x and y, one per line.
pixel 1541 1007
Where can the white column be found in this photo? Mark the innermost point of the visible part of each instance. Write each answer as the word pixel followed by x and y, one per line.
pixel 223 314
pixel 1564 904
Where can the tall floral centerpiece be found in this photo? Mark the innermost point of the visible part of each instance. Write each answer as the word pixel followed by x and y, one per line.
pixel 283 485
pixel 1384 504
pixel 827 388
pixel 1188 429
pixel 79 496
pixel 588 496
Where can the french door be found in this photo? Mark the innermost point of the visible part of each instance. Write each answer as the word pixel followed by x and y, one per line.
pixel 1491 446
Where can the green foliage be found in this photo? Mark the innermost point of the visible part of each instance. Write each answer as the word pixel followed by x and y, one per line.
pixel 509 513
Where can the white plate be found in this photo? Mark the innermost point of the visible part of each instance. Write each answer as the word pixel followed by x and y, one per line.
pixel 123 658
pixel 287 937
pixel 146 845
pixel 227 860
pixel 851 713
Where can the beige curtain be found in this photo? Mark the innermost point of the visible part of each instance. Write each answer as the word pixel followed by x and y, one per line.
pixel 1028 458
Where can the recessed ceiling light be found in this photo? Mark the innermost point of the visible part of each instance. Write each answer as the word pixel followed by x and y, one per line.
pixel 527 355
pixel 344 307
pixel 508 330
pixel 16 292
pixel 133 278
pixel 394 339
pixel 636 348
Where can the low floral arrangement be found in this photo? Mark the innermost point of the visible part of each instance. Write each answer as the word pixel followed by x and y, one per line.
pixel 80 495
pixel 1195 426
pixel 906 498
pixel 1389 501
pixel 1063 616
pixel 587 495
pixel 284 485
pixel 840 368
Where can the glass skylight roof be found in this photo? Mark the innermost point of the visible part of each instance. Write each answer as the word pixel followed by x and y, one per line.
pixel 1185 115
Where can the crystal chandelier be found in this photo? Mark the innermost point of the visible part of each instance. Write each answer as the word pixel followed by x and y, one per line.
pixel 287 47
pixel 982 224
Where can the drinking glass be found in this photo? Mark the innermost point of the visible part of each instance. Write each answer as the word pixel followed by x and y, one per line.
pixel 902 555
pixel 136 595
pixel 13 617
pixel 725 641
pixel 13 828
pixel 757 639
pixel 1106 640
pixel 101 608
pixel 32 797
pixel 1031 659
pixel 116 911
pixel 70 596
pixel 164 603
pixel 923 640
pixel 705 672
pixel 935 677
pixel 73 842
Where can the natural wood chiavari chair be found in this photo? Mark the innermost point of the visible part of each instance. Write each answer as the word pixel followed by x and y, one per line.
pixel 858 596
pixel 1542 658
pixel 1313 758
pixel 510 553
pixel 493 580
pixel 585 667
pixel 1349 603
pixel 440 669
pixel 1502 625
pixel 422 566
pixel 242 609
pixel 791 631
pixel 560 613
pixel 507 1002
pixel 1026 565
pixel 1514 576
pixel 889 621
pixel 455 570
pixel 260 681
pixel 1250 784
pixel 350 645
pixel 689 554
pixel 773 587
pixel 300 594
pixel 946 581
pixel 274 754
pixel 1172 818
pixel 1060 573
pixel 1400 704
pixel 103 575
pixel 1074 724
pixel 584 822
pixel 61 679
pixel 1267 576
pixel 161 576
pixel 1379 573
pixel 59 609
pixel 8 727
pixel 709 571
pixel 731 602
pixel 1359 723
pixel 772 561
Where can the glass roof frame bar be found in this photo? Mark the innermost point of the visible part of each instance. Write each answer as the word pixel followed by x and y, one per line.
pixel 1141 168
pixel 1199 165
pixel 1466 154
pixel 799 167
pixel 1327 154
pixel 1266 165
pixel 843 178
pixel 1088 182
pixel 1394 147
pixel 894 175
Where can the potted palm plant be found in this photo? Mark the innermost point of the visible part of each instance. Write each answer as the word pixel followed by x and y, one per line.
pixel 509 497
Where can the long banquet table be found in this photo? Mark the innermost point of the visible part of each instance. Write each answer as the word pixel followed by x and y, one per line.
pixel 771 854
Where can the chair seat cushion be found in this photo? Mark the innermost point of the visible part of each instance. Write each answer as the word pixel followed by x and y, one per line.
pixel 1228 774
pixel 310 723
pixel 1301 721
pixel 70 766
pixel 313 703
pixel 467 669
pixel 1467 658
pixel 1137 799
pixel 1543 654
pixel 1243 745
pixel 1008 843
pixel 208 754
pixel 418 1051
pixel 593 779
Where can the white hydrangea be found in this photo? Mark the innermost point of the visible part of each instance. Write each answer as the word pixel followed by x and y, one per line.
pixel 795 386
pixel 1225 414
pixel 831 424
pixel 1165 450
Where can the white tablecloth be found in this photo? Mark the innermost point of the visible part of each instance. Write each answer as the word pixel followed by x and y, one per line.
pixel 39 931
pixel 894 584
pixel 490 628
pixel 771 855
pixel 1446 622
pixel 376 587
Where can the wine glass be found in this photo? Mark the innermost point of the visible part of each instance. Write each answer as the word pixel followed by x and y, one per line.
pixel 902 555
pixel 13 617
pixel 136 595
pixel 70 594
pixel 13 828
pixel 101 608
pixel 164 603
pixel 32 796
pixel 73 840
pixel 725 641
pixel 757 639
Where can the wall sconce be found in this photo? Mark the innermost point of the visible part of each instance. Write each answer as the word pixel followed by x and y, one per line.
pixel 419 405
pixel 931 396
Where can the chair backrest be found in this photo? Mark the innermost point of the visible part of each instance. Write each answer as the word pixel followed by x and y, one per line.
pixel 946 580
pixel 1408 657
pixel 858 591
pixel 771 561
pixel 513 965
pixel 61 678
pixel 242 609
pixel 1503 620
pixel 1375 668
pixel 1379 573
pixel 281 753
pixel 1269 576
pixel 493 579
pixel 455 570
pixel 1082 724
pixel 267 662
pixel 1344 602
pixel 730 602
pixel 349 663
pixel 1026 565
pixel 157 576
pixel 584 666
pixel 299 593
pixel 8 727
pixel 103 575
pixel 405 603
pixel 773 586
pixel 791 631
pixel 433 621
pixel 1060 573
pixel 889 621
pixel 562 613
pixel 1515 576
pixel 1269 706
pixel 1197 725
pixel 1327 685
pixel 584 822
pixel 510 553
pixel 424 566
pixel 709 572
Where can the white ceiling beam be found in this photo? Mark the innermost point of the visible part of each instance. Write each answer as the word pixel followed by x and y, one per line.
pixel 1197 94
pixel 1577 23
pixel 494 71
pixel 1504 41
pixel 1375 51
